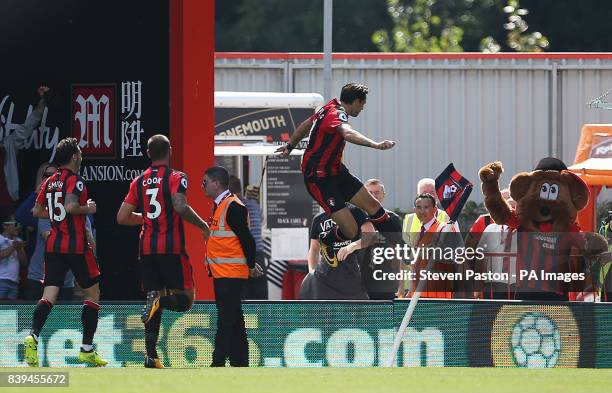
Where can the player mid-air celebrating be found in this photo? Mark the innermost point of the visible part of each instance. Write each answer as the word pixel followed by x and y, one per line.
pixel 327 180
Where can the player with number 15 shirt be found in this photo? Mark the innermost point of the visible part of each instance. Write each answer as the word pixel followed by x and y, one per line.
pixel 62 199
pixel 68 235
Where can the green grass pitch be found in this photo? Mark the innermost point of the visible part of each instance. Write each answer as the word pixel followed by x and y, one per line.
pixel 253 380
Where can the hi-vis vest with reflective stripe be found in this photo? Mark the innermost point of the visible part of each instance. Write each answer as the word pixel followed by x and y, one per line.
pixel 224 253
pixel 433 288
pixel 412 225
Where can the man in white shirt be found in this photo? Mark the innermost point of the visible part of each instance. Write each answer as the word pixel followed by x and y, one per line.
pixel 12 254
pixel 497 239
pixel 12 140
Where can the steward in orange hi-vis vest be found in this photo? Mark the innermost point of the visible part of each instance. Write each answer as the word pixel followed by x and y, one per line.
pixel 433 289
pixel 230 256
pixel 224 253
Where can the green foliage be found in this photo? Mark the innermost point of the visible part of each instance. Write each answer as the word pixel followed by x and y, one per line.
pixel 469 214
pixel 602 212
pixel 439 26
pixel 517 37
pixel 296 25
pixel 418 29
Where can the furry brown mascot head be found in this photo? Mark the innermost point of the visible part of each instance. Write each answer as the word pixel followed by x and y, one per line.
pixel 548 199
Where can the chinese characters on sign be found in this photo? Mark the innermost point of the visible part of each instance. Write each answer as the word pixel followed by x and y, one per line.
pixel 131 110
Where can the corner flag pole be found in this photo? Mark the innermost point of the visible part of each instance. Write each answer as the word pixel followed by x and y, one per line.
pixel 459 189
pixel 397 341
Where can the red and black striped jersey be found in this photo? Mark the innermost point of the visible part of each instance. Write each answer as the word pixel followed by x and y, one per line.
pixel 323 156
pixel 68 234
pixel 162 230
pixel 545 252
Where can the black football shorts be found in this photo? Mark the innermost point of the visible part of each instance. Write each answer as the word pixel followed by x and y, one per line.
pixel 333 192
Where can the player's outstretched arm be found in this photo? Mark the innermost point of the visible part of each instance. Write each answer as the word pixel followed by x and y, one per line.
pixel 127 215
pixel 179 202
pixel 355 137
pixel 300 133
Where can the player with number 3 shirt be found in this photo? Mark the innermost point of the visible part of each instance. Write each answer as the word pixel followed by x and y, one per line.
pixel 157 202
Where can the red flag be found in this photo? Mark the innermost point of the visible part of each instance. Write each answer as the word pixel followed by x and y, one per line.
pixel 453 191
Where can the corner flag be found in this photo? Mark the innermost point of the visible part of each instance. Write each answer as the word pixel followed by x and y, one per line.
pixel 453 191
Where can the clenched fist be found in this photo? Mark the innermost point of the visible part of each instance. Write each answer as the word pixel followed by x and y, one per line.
pixel 491 172
pixel 384 145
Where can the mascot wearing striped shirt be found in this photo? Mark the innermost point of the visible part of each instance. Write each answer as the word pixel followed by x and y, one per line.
pixel 547 203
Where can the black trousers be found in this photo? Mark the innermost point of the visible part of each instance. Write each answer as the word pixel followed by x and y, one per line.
pixel 231 337
pixel 257 288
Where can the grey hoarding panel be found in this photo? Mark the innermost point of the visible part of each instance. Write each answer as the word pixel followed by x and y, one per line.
pixel 466 111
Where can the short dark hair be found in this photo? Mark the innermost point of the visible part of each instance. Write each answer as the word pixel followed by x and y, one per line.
pixel 235 186
pixel 353 91
pixel 65 149
pixel 426 195
pixel 219 174
pixel 158 146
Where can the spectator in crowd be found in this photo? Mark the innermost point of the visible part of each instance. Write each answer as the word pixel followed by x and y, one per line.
pixel 485 220
pixel 23 214
pixel 433 234
pixel 34 285
pixel 379 289
pixel 605 273
pixel 412 225
pixel 29 224
pixel 257 287
pixel 12 139
pixel 340 282
pixel 497 238
pixel 12 255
